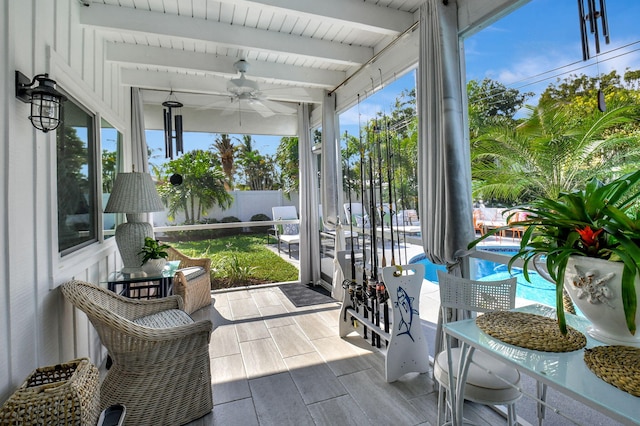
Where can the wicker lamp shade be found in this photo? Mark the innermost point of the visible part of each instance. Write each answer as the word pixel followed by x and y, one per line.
pixel 133 194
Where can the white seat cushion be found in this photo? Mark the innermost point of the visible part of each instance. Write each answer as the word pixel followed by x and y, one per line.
pixel 480 386
pixel 165 319
pixel 289 239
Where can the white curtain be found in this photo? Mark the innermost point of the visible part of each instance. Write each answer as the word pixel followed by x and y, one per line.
pixel 139 155
pixel 331 166
pixel 309 231
pixel 444 171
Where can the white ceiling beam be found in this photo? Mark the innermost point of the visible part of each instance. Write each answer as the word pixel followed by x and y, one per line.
pixel 211 85
pixel 475 15
pixel 211 121
pixel 166 25
pixel 352 13
pixel 203 62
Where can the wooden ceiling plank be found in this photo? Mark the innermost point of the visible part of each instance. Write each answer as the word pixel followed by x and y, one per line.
pixel 175 59
pixel 159 24
pixel 352 13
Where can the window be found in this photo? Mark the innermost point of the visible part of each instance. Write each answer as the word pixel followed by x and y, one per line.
pixel 110 142
pixel 76 174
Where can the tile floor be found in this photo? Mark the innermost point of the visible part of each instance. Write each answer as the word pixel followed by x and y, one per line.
pixel 275 364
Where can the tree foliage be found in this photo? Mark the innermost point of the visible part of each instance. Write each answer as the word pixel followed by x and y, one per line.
pixel 492 103
pixel 550 152
pixel 257 172
pixel 227 152
pixel 203 185
pixel 288 161
pixel 390 143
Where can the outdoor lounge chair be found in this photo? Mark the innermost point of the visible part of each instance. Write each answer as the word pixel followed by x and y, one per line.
pixel 192 280
pixel 161 369
pixel 288 233
pixel 356 213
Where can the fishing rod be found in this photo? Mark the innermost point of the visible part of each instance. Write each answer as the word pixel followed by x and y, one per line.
pixel 391 198
pixel 353 255
pixel 382 212
pixel 373 279
pixel 350 284
pixel 360 288
pixel 404 202
pixel 381 293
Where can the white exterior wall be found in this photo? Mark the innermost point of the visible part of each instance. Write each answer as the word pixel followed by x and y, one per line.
pixel 37 327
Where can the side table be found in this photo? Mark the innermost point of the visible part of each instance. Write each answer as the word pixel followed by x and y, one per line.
pixel 140 285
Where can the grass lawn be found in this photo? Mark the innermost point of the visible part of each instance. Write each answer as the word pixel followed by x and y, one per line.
pixel 239 260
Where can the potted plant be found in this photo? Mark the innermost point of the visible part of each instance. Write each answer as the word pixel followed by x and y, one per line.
pixel 154 256
pixel 599 225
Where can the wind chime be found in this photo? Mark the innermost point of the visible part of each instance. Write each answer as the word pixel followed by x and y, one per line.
pixel 172 132
pixel 591 15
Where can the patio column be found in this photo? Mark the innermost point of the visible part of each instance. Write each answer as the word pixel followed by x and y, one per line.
pixel 309 231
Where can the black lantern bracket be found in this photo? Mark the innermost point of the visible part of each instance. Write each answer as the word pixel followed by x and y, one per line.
pixel 45 100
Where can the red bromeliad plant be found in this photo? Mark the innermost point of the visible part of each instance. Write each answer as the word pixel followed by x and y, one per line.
pixel 601 221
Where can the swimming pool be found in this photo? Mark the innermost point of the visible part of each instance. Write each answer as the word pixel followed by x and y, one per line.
pixel 538 290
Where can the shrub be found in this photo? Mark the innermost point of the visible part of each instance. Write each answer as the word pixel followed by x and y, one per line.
pixel 260 229
pixel 230 231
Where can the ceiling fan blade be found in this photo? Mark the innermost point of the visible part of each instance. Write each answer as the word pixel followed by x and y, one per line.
pixel 259 107
pixel 278 107
pixel 222 102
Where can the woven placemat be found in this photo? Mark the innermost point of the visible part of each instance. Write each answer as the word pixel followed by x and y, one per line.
pixel 616 365
pixel 530 331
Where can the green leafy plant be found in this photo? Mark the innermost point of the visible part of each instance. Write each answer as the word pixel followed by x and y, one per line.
pixel 153 249
pixel 600 221
pixel 233 269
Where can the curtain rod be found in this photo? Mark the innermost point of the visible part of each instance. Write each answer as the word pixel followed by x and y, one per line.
pixel 376 56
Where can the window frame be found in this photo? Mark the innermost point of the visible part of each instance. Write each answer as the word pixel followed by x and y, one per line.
pixel 94 176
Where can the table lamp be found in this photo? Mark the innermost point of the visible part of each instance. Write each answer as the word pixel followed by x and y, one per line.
pixel 134 194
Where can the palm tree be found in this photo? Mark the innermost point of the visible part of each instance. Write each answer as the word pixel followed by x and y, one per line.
pixel 202 188
pixel 552 152
pixel 227 151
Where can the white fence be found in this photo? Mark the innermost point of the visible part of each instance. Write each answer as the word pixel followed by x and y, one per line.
pixel 245 205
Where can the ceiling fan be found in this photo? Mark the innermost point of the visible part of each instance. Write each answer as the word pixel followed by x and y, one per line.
pixel 246 91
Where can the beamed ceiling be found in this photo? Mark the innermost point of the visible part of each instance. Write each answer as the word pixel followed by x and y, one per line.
pixel 295 49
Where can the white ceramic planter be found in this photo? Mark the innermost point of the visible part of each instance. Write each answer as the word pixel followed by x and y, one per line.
pixel 154 267
pixel 595 288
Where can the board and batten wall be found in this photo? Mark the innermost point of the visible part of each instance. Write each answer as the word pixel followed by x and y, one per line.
pixel 37 326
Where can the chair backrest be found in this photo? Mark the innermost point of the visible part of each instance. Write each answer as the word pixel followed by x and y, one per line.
pixel 356 211
pixel 476 296
pixel 97 302
pixel 284 212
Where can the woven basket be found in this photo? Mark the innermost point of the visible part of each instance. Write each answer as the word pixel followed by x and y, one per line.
pixel 63 394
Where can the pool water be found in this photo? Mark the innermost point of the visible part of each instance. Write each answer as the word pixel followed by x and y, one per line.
pixel 538 290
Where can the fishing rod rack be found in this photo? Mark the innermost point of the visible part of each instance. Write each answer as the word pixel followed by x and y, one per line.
pixel 380 302
pixel 388 311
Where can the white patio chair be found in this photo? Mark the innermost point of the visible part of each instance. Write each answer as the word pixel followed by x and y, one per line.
pixel 489 381
pixel 409 217
pixel 288 233
pixel 357 213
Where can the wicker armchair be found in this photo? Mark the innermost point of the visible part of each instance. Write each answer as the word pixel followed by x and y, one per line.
pixel 160 370
pixel 192 281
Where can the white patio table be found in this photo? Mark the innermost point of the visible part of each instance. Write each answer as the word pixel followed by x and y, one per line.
pixel 566 371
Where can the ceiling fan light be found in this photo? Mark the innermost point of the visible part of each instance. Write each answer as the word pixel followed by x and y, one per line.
pixel 239 86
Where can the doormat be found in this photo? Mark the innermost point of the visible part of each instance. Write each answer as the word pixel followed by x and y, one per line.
pixel 306 294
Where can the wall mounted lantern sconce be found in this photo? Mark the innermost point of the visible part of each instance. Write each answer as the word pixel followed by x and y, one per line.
pixel 172 133
pixel 45 100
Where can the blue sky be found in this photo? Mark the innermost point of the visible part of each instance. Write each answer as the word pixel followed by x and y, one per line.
pixel 527 50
